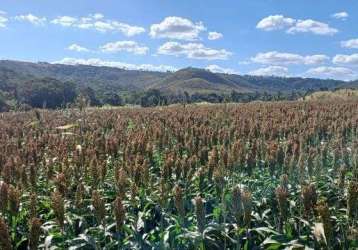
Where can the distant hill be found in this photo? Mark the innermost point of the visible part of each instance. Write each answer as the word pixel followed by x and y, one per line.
pixel 194 80
pixel 191 80
pixel 98 78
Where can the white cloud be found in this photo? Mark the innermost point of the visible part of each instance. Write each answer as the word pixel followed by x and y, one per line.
pixel 32 19
pixel 332 72
pixel 315 59
pixel 279 58
pixel 346 59
pixel 97 22
pixel 98 16
pixel 78 48
pixel 341 15
pixel 351 44
pixel 312 26
pixel 177 28
pixel 128 46
pixel 217 69
pixel 193 50
pixel 275 22
pixel 65 21
pixel 293 26
pixel 3 19
pixel 115 64
pixel 215 35
pixel 270 71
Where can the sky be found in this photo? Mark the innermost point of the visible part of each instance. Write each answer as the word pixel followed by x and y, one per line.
pixel 260 37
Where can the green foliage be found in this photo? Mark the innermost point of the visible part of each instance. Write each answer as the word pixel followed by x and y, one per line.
pixel 49 93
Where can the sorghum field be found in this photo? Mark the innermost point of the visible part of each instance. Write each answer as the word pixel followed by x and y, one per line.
pixel 246 176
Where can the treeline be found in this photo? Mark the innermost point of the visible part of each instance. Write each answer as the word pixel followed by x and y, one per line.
pixel 155 97
pixel 54 94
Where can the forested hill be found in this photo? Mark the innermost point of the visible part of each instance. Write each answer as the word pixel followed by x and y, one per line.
pixel 22 82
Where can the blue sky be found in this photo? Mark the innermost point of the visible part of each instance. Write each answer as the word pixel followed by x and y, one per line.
pixel 263 37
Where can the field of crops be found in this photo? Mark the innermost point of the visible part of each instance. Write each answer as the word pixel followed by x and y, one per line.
pixel 247 176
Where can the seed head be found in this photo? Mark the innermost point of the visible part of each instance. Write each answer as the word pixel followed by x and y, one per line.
pixel 14 200
pixel 5 240
pixel 4 193
pixel 99 207
pixel 247 205
pixel 352 200
pixel 33 205
pixel 323 211
pixel 281 196
pixel 79 195
pixel 178 200
pixel 34 234
pixel 237 203
pixel 309 198
pixel 119 212
pixel 200 213
pixel 58 206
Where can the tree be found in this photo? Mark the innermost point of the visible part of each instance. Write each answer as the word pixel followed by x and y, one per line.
pixel 89 94
pixel 112 99
pixel 153 97
pixel 3 105
pixel 47 92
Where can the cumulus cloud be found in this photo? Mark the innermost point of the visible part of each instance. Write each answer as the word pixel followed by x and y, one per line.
pixel 215 35
pixel 65 21
pixel 346 59
pixel 35 20
pixel 217 69
pixel 293 26
pixel 98 23
pixel 3 19
pixel 128 46
pixel 115 64
pixel 332 72
pixel 194 51
pixel 279 58
pixel 312 26
pixel 275 22
pixel 270 71
pixel 341 15
pixel 351 44
pixel 177 28
pixel 77 48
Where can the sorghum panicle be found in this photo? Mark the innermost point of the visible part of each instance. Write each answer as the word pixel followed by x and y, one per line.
pixel 352 200
pixel 5 240
pixel 323 211
pixel 14 200
pixel 178 200
pixel 200 213
pixel 99 207
pixel 58 206
pixel 4 193
pixel 247 205
pixel 34 234
pixel 237 204
pixel 119 212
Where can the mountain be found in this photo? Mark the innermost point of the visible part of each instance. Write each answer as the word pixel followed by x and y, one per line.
pixel 98 78
pixel 191 80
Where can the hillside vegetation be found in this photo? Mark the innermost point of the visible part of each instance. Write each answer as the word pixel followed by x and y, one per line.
pixel 113 86
pixel 338 95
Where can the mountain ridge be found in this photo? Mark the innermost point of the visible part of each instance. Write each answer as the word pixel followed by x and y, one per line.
pixel 191 80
